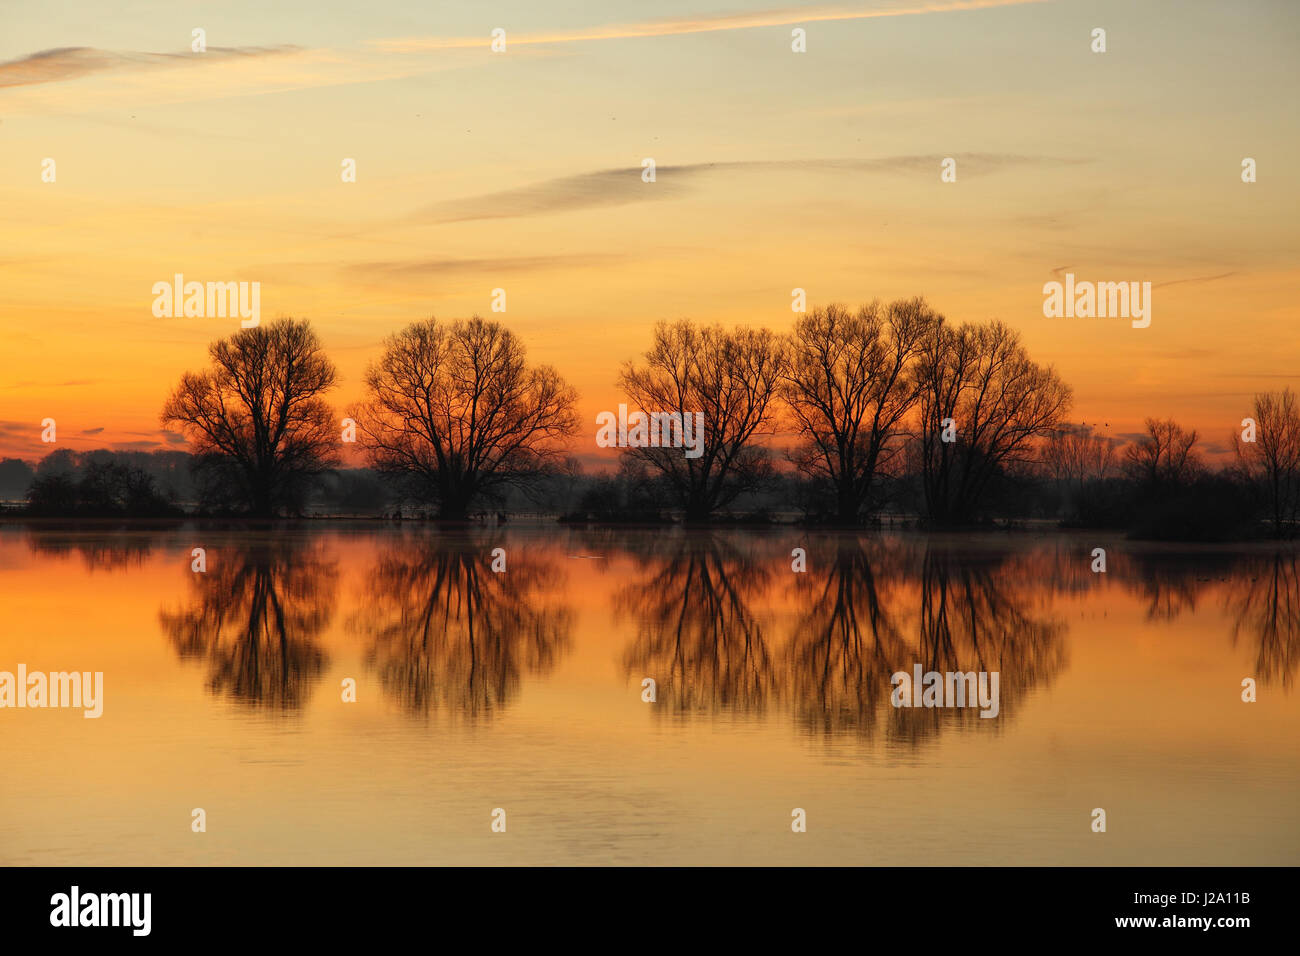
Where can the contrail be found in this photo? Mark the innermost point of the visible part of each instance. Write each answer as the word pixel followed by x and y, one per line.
pixel 674 27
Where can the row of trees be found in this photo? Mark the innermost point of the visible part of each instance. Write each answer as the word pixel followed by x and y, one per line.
pixel 454 418
pixel 1162 479
pixel 454 412
pixel 867 394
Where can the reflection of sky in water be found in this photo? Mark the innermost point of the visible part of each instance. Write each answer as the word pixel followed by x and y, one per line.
pixel 523 690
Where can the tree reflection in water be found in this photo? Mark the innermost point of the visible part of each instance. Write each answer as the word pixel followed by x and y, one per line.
pixel 255 617
pixel 447 634
pixel 707 612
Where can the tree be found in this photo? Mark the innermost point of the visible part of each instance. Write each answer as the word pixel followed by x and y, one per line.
pixel 53 494
pixel 730 378
pixel 1074 456
pixel 848 385
pixel 457 411
pixel 61 461
pixel 1079 463
pixel 110 487
pixel 1165 457
pixel 97 483
pixel 257 415
pixel 1272 460
pixel 979 388
pixel 15 478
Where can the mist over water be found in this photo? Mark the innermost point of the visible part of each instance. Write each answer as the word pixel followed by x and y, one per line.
pixel 523 690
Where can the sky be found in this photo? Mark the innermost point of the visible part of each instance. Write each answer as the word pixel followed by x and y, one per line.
pixel 521 170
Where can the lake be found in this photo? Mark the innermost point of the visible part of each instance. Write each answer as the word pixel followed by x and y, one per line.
pixel 522 690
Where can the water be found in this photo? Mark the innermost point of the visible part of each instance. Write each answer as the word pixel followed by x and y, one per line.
pixel 522 691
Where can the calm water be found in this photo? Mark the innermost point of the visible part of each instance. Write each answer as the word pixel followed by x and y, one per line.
pixel 477 690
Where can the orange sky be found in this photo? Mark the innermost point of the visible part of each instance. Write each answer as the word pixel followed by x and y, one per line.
pixel 521 170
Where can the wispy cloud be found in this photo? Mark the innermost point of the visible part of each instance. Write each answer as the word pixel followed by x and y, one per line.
pixel 613 187
pixel 31 383
pixel 72 62
pixel 1059 273
pixel 83 80
pixel 417 268
pixel 673 26
pixel 1215 278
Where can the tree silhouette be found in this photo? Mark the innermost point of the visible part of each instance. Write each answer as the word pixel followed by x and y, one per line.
pixel 1272 460
pixel 848 385
pixel 1165 457
pixel 995 400
pixel 256 419
pixel 729 377
pixel 456 410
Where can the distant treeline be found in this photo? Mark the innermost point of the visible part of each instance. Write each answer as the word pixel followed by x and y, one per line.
pixel 1201 505
pixel 889 410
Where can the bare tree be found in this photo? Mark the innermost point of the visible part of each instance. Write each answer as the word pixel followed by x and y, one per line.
pixel 730 378
pixel 1165 456
pixel 1272 460
pixel 457 409
pixel 983 402
pixel 258 415
pixel 848 385
pixel 1073 455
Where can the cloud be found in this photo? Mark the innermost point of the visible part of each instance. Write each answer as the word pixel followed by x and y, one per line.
pixel 39 84
pixel 92 431
pixel 1222 275
pixel 1254 374
pixel 72 62
pixel 614 187
pixel 51 66
pixel 30 383
pixel 1060 271
pixel 676 26
pixel 505 264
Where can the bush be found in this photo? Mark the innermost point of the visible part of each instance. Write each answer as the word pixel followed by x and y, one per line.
pixel 1212 508
pixel 105 489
